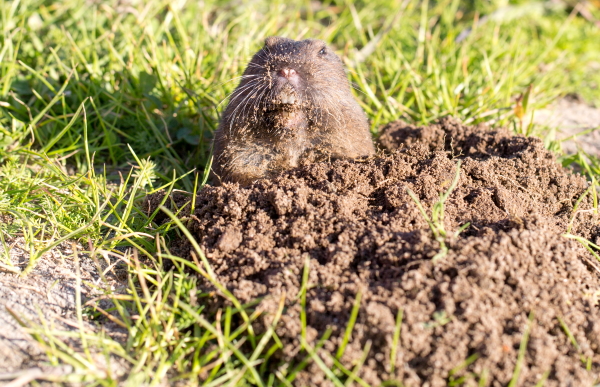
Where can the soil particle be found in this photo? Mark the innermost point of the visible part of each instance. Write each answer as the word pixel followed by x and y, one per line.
pixel 359 231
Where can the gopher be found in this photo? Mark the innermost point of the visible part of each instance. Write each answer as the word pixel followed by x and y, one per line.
pixel 293 104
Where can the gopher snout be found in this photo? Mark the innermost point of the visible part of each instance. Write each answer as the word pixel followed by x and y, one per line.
pixel 288 75
pixel 287 96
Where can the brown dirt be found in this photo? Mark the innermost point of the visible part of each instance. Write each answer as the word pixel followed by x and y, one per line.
pixel 362 232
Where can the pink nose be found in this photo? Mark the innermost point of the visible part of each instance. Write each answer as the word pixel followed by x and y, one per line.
pixel 288 73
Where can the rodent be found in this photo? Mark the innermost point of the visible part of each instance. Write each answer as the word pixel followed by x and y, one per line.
pixel 293 103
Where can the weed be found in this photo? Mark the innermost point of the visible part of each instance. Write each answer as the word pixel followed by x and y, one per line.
pixel 436 221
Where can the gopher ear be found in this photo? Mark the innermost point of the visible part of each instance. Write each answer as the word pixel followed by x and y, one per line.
pixel 274 40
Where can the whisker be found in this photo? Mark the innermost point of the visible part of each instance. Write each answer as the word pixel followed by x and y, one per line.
pixel 237 92
pixel 240 77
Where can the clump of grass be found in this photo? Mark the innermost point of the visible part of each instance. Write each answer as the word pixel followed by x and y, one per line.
pixel 587 361
pixel 454 380
pixel 436 221
pixel 522 350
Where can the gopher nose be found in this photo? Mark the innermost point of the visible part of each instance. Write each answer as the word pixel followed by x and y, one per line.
pixel 290 74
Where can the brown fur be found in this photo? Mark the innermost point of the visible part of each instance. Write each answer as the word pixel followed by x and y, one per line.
pixel 293 104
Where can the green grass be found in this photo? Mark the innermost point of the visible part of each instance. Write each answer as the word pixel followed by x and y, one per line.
pixel 436 221
pixel 102 103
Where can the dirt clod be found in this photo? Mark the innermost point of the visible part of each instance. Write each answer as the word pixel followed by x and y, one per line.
pixel 510 272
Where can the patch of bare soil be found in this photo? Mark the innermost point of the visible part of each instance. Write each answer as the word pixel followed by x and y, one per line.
pixel 573 119
pixel 47 295
pixel 362 232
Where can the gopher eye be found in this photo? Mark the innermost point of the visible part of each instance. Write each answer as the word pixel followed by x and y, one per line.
pixel 323 51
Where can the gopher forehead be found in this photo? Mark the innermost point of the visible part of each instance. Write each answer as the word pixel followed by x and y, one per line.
pixel 294 46
pixel 289 47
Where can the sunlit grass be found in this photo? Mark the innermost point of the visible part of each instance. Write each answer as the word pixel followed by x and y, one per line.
pixel 102 103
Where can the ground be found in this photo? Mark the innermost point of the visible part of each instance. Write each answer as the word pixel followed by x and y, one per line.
pixel 574 120
pixel 47 296
pixel 358 236
pixel 107 112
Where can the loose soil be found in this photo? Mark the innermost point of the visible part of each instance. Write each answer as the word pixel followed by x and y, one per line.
pixel 510 279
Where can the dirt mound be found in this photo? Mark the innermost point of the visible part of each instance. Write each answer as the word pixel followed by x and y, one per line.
pixel 465 315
